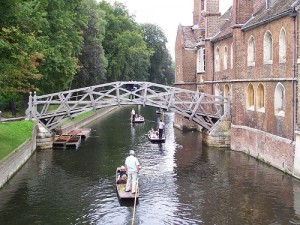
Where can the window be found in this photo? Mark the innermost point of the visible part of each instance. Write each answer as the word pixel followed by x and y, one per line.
pixel 279 100
pixel 251 52
pixel 227 94
pixel 201 60
pixel 250 97
pixel 217 59
pixel 268 48
pixel 282 46
pixel 260 100
pixel 217 90
pixel 231 56
pixel 225 58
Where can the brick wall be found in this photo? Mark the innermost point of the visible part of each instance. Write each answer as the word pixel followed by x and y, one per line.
pixel 277 151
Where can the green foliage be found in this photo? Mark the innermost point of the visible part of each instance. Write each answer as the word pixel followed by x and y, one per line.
pixel 53 45
pixel 127 53
pixel 13 134
pixel 92 60
pixel 161 70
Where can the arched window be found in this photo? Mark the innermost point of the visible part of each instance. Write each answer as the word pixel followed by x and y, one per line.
pixel 268 48
pixel 251 52
pixel 250 97
pixel 217 60
pixel 217 90
pixel 279 100
pixel 227 94
pixel 231 56
pixel 282 46
pixel 260 99
pixel 225 58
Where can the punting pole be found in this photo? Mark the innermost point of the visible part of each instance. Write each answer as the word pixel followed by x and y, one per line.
pixel 136 190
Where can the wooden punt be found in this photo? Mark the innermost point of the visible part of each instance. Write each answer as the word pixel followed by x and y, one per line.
pixel 84 133
pixel 61 141
pixel 153 137
pixel 74 141
pixel 121 187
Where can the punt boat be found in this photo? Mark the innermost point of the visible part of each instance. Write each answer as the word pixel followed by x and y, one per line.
pixel 121 186
pixel 74 141
pixel 139 119
pixel 84 132
pixel 153 137
pixel 61 141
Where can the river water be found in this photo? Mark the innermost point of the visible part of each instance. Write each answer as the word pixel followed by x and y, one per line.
pixel 181 181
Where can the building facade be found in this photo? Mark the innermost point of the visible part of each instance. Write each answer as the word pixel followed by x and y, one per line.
pixel 250 55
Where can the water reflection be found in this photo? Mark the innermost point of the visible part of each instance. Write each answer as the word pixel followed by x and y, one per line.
pixel 181 181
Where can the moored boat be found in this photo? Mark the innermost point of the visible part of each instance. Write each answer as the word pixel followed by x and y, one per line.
pixel 121 179
pixel 84 132
pixel 74 141
pixel 61 141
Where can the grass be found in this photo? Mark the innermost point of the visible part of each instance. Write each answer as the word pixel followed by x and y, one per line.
pixel 83 115
pixel 12 135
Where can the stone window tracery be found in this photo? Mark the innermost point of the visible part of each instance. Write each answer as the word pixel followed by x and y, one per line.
pixel 225 58
pixel 279 100
pixel 217 59
pixel 260 99
pixel 251 52
pixel 268 48
pixel 250 97
pixel 282 46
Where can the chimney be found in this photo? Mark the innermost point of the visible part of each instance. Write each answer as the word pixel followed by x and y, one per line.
pixel 242 10
pixel 197 11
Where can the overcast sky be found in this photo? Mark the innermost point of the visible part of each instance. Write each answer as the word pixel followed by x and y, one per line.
pixel 167 14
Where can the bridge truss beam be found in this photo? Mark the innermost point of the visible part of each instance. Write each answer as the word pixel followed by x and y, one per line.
pixel 53 109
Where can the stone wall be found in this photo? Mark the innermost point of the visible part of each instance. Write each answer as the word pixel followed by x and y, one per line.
pixel 13 162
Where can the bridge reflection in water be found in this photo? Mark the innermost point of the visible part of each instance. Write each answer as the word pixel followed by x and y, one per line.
pixel 181 182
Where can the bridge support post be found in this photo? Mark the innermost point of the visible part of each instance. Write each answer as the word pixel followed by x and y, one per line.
pixel 220 135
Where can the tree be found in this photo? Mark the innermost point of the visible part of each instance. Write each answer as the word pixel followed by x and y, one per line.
pixel 161 69
pixel 92 60
pixel 126 51
pixel 62 44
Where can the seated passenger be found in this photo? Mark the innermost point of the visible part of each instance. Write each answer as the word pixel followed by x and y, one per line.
pixel 122 180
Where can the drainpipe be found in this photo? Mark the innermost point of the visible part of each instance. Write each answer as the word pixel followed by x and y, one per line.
pixel 294 15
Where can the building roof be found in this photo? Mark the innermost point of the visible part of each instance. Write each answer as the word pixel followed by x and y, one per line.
pixel 279 9
pixel 189 38
pixel 225 26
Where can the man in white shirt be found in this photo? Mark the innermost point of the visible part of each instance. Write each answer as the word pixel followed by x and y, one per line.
pixel 161 126
pixel 132 167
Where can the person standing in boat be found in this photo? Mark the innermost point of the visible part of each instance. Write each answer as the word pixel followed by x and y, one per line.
pixel 161 127
pixel 132 115
pixel 132 167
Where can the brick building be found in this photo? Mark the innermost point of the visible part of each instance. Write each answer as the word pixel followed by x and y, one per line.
pixel 249 54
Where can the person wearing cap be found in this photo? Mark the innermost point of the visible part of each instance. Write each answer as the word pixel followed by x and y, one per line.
pixel 132 167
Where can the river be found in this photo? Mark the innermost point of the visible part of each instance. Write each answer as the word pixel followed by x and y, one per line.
pixel 181 181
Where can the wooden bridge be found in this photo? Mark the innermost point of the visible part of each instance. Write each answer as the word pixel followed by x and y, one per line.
pixel 53 109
